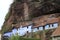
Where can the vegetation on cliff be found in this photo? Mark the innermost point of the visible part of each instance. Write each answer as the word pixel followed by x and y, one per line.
pixel 5 27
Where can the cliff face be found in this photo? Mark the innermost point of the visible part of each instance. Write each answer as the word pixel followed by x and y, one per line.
pixel 26 10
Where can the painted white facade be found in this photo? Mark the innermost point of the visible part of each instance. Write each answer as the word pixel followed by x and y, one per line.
pixel 55 38
pixel 23 30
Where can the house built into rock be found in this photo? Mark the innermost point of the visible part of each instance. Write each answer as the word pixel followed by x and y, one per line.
pixel 33 12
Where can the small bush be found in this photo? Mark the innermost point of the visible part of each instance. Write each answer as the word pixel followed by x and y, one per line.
pixel 21 38
pixel 14 37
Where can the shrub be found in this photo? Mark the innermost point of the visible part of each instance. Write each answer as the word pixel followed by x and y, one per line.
pixel 21 38
pixel 14 37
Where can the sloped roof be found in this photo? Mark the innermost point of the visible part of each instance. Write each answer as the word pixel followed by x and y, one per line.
pixel 56 32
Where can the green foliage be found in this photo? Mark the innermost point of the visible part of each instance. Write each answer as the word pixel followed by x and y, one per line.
pixel 30 39
pixel 7 16
pixel 17 37
pixel 5 29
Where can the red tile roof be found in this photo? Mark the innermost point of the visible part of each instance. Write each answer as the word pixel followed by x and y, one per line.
pixel 56 32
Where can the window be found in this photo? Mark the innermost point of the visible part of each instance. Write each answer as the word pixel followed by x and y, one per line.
pixel 47 27
pixel 35 30
pixel 55 25
pixel 40 28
